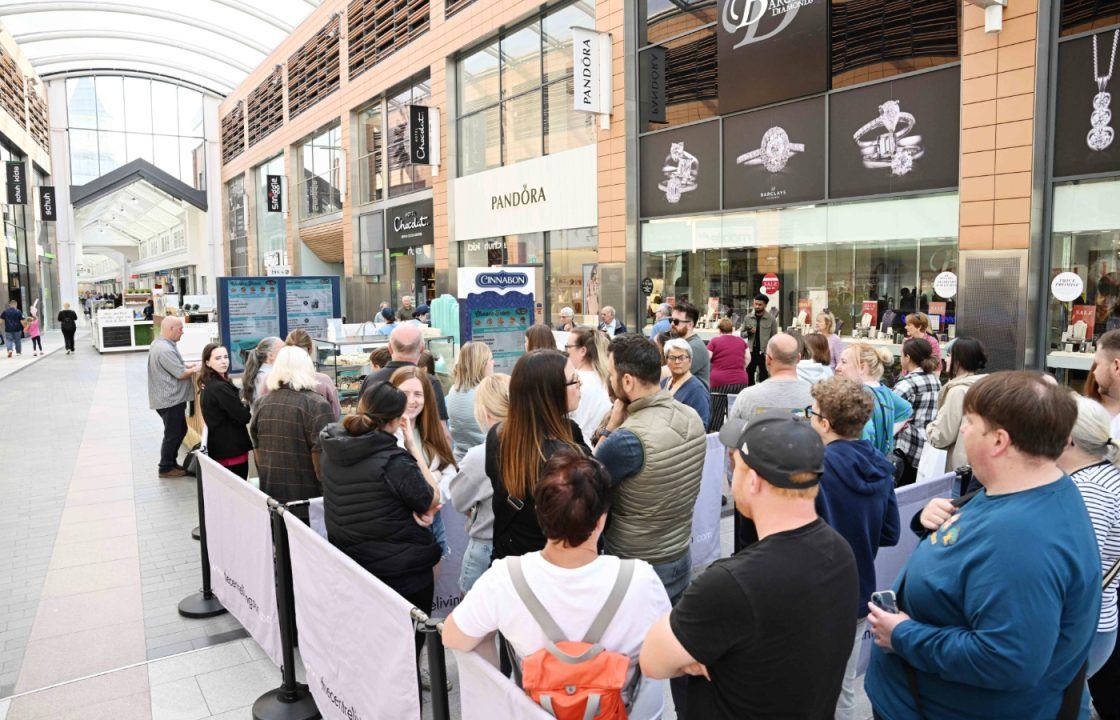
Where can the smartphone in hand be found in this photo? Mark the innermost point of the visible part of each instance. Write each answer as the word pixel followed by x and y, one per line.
pixel 885 600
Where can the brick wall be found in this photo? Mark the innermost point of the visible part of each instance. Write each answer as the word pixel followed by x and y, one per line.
pixel 997 128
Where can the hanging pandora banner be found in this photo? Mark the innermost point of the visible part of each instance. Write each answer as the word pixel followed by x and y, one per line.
pixel 770 50
pixel 1084 126
pixel 591 60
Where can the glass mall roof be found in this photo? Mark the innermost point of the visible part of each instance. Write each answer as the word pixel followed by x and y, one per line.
pixel 212 44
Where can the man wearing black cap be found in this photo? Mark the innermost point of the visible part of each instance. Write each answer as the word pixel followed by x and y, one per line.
pixel 758 328
pixel 766 632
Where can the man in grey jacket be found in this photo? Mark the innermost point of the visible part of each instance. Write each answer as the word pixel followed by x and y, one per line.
pixel 758 327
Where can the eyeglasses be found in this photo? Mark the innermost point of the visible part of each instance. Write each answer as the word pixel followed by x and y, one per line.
pixel 810 412
pixel 678 321
pixel 677 358
pixel 574 381
pixel 569 347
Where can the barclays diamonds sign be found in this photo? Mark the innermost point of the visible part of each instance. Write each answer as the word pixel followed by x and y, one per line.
pixel 502 280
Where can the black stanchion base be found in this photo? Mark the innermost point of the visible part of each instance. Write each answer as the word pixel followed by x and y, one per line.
pixel 200 606
pixel 270 706
pixel 196 534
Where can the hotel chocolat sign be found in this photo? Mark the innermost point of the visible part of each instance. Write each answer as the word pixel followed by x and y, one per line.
pixel 1085 128
pixel 680 170
pixel 419 149
pixel 775 156
pixel 17 182
pixel 275 195
pixel 895 136
pixel 770 50
pixel 409 225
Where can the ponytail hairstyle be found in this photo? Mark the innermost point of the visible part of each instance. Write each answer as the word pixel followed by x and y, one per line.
pixel 257 357
pixel 870 360
pixel 491 400
pixel 594 341
pixel 432 433
pixel 538 412
pixel 1092 432
pixel 380 404
pixel 920 353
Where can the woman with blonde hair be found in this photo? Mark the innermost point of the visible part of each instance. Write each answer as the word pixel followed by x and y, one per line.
pixel 825 325
pixel 325 387
pixel 587 353
pixel 475 363
pixel 865 364
pixel 470 489
pixel 1090 459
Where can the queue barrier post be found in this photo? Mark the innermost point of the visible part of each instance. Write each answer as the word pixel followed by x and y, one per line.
pixel 204 603
pixel 437 662
pixel 292 700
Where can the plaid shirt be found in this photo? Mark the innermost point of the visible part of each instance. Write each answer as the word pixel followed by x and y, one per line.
pixel 920 389
pixel 285 430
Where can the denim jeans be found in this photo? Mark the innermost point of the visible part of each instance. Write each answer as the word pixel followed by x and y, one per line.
pixel 13 339
pixel 476 560
pixel 846 703
pixel 441 535
pixel 1099 653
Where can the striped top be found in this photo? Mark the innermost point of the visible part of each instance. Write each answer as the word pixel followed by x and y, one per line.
pixel 1100 487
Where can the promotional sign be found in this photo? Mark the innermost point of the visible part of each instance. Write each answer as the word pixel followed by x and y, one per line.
pixel 448 594
pixel 895 136
pixel 1067 286
pixel 680 170
pixel 770 50
pixel 485 693
pixel 1087 315
pixel 805 309
pixel 945 285
pixel 938 308
pixel 275 193
pixel 496 308
pixel 591 60
pixel 423 135
pixel 17 182
pixel 1084 130
pixel 775 156
pixel 771 283
pixel 48 212
pixel 239 544
pixel 251 313
pixel 890 560
pixel 309 302
pixel 409 224
pixel 355 633
pixel 705 543
pixel 552 192
pixel 870 308
pixel 652 92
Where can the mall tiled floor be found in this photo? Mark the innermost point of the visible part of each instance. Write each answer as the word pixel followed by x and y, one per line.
pixel 99 555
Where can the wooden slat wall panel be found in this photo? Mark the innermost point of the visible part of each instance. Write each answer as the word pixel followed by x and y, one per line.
pixel 12 94
pixel 38 122
pixel 377 28
pixel 313 70
pixel 266 107
pixel 1083 15
pixel 866 32
pixel 325 240
pixel 233 133
pixel 454 6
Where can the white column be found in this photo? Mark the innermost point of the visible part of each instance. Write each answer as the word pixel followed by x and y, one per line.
pixel 69 246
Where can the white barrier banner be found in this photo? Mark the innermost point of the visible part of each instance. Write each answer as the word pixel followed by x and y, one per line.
pixel 890 560
pixel 316 516
pixel 239 542
pixel 485 694
pixel 448 593
pixel 705 518
pixel 355 633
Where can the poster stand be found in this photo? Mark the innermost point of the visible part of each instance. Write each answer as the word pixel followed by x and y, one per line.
pixel 496 307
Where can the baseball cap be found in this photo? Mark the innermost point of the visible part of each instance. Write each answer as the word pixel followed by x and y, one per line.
pixel 422 310
pixel 777 445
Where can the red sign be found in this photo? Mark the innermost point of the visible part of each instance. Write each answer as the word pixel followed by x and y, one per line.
pixel 938 308
pixel 870 307
pixel 1086 314
pixel 770 283
pixel 805 305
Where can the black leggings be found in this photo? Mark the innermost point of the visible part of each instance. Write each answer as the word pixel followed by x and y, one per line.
pixel 68 338
pixel 37 343
pixel 240 469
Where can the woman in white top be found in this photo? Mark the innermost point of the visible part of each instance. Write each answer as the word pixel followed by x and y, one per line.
pixel 588 354
pixel 1089 459
pixel 475 362
pixel 571 580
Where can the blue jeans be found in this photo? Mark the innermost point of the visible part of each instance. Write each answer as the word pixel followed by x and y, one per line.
pixel 14 339
pixel 441 535
pixel 1099 653
pixel 476 560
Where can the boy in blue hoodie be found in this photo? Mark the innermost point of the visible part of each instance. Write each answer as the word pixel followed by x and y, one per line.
pixel 856 496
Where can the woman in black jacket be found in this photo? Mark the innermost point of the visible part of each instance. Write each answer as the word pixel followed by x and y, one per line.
pixel 227 439
pixel 543 389
pixel 380 498
pixel 68 321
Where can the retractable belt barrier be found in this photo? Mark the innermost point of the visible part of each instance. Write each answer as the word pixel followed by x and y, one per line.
pixel 706 515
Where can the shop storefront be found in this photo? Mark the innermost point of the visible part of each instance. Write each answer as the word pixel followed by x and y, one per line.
pixel 829 181
pixel 1083 283
pixel 410 242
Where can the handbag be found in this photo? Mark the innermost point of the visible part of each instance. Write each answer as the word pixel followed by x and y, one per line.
pixel 190 460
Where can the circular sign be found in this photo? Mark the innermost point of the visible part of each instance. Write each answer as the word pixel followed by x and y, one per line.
pixel 771 284
pixel 1067 286
pixel 945 285
pixel 647 286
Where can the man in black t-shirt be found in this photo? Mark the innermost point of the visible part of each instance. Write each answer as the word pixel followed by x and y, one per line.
pixel 766 632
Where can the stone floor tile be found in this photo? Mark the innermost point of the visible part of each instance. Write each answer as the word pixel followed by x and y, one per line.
pixel 96 496
pixel 77 655
pixel 94 551
pixel 94 530
pixel 198 662
pixel 230 688
pixel 70 614
pixel 120 510
pixel 75 696
pixel 178 700
pixel 89 578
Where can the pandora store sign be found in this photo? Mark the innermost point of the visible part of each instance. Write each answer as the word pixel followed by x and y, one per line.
pixel 553 192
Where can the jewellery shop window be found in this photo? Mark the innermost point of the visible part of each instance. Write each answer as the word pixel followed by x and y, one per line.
pixel 1084 298
pixel 524 249
pixel 869 262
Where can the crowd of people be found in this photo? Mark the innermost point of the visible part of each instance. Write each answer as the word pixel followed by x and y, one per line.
pixel 579 472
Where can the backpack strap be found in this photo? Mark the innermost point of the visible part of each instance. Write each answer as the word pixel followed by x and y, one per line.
pixel 532 603
pixel 614 600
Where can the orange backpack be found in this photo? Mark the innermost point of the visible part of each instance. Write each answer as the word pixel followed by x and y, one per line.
pixel 575 680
